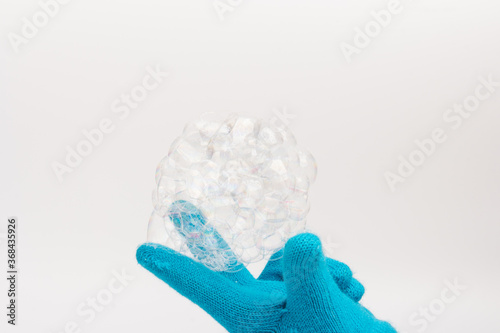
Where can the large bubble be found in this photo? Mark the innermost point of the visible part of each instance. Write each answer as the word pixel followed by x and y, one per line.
pixel 231 192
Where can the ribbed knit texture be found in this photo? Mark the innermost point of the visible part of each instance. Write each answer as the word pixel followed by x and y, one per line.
pixel 299 291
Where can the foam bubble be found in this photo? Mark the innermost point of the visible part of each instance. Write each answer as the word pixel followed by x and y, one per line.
pixel 231 191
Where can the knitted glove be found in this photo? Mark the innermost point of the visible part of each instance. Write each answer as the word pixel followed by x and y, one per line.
pixel 302 292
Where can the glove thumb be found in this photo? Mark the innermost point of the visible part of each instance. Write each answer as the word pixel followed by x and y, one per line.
pixel 308 282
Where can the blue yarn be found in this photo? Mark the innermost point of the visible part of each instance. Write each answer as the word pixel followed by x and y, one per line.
pixel 299 291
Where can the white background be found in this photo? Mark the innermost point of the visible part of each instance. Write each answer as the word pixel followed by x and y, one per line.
pixel 356 117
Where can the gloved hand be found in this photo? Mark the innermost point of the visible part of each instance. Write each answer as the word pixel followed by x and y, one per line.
pixel 301 292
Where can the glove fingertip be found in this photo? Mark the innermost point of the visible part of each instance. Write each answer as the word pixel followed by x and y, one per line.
pixel 146 254
pixel 301 249
pixel 355 291
pixel 340 272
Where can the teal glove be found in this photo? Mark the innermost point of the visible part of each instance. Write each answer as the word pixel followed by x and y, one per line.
pixel 302 292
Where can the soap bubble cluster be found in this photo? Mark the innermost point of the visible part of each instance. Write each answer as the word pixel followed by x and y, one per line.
pixel 231 191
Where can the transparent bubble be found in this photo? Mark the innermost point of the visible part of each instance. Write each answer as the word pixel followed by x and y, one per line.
pixel 231 190
pixel 298 206
pixel 157 233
